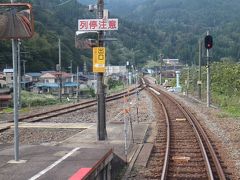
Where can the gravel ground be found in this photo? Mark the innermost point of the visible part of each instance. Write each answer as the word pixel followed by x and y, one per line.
pixel 224 132
pixel 114 111
pixel 37 135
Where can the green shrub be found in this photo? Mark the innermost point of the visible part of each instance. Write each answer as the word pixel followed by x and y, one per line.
pixel 33 99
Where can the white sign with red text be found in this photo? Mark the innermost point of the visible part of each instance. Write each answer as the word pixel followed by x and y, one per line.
pixel 97 24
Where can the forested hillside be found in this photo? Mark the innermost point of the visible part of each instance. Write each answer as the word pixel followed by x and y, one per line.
pixel 181 23
pixel 146 29
pixel 56 19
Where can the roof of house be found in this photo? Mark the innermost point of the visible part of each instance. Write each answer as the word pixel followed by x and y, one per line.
pixel 47 85
pixel 56 85
pixel 71 84
pixel 34 74
pixel 8 70
pixel 63 74
pixel 5 97
pixel 56 74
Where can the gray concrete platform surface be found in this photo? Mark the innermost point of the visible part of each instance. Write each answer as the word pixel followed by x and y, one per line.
pixel 62 160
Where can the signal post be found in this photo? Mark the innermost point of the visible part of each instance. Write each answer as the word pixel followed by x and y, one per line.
pixel 208 42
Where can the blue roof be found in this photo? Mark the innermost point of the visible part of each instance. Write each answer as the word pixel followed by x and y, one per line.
pixel 71 84
pixel 56 85
pixel 47 85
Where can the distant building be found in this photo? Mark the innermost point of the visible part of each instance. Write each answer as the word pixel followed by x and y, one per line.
pixel 32 77
pixel 8 74
pixel 171 61
pixel 49 82
pixel 116 70
pixel 5 97
pixel 5 100
pixel 2 80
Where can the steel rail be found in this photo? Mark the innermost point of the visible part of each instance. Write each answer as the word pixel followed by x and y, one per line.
pixel 199 133
pixel 167 150
pixel 201 145
pixel 76 107
pixel 215 159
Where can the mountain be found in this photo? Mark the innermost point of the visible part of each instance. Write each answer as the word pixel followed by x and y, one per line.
pixel 181 23
pixel 58 19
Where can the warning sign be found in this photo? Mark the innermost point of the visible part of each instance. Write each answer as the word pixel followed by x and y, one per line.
pixel 99 59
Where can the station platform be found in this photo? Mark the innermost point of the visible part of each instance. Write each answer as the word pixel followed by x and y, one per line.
pixel 72 158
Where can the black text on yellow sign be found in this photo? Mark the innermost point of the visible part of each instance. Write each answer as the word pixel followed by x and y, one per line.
pixel 99 54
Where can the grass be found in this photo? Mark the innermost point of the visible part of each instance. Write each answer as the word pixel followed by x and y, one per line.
pixel 10 110
pixel 116 89
pixel 233 111
pixel 230 105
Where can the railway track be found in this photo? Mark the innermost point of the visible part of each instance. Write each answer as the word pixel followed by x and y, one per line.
pixel 68 109
pixel 183 150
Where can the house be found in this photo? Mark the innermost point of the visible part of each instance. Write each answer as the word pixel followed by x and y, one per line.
pixel 49 82
pixel 2 80
pixel 5 98
pixel 8 74
pixel 32 77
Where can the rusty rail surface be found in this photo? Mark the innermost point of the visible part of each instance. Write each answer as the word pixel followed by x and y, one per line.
pixel 205 145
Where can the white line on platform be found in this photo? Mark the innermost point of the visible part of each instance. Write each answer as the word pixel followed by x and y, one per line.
pixel 54 164
pixel 158 93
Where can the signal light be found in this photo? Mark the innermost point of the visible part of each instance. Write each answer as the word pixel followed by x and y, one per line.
pixel 208 42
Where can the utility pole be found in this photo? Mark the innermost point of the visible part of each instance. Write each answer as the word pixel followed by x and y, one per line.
pixel 188 79
pixel 208 78
pixel 84 66
pixel 15 99
pixel 24 72
pixel 60 69
pixel 24 67
pixel 199 71
pixel 101 124
pixel 77 84
pixel 19 73
pixel 160 74
pixel 71 71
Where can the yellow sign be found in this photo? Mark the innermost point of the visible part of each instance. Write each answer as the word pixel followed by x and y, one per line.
pixel 99 59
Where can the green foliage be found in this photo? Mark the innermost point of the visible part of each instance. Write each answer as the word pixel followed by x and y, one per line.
pixel 29 99
pixel 114 83
pixel 225 84
pixel 225 80
pixel 87 92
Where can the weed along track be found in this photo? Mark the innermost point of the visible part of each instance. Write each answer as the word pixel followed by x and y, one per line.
pixel 182 149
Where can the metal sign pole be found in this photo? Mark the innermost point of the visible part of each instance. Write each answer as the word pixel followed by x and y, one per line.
pixel 60 69
pixel 101 123
pixel 77 84
pixel 15 99
pixel 19 73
